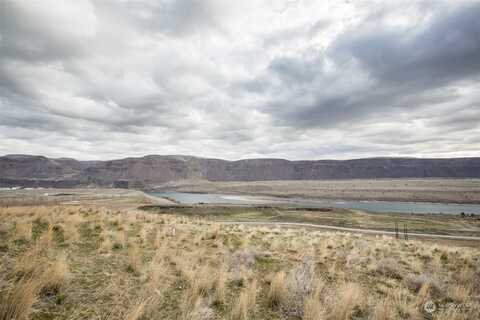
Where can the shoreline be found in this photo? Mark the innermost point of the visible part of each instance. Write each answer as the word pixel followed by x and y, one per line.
pixel 317 198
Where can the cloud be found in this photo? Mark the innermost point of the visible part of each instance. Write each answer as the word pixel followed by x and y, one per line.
pixel 45 31
pixel 177 18
pixel 375 69
pixel 296 79
pixel 434 53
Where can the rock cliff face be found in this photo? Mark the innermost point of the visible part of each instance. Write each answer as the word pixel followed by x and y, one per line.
pixel 149 171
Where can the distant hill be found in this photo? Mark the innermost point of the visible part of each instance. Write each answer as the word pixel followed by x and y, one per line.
pixel 153 170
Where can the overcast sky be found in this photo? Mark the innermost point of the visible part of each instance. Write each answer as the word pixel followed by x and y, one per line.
pixel 296 79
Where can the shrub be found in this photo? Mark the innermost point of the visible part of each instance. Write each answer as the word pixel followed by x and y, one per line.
pixel 415 282
pixel 242 258
pixel 389 268
pixel 299 283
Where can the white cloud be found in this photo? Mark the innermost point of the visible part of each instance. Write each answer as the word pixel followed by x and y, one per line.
pixel 296 79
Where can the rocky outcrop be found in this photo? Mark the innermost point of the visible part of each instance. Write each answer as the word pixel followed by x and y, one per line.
pixel 149 171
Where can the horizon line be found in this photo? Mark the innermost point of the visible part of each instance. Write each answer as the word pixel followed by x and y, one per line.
pixel 242 159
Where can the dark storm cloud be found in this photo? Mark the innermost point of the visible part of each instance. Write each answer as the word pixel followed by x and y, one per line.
pixel 296 71
pixel 445 50
pixel 396 69
pixel 10 84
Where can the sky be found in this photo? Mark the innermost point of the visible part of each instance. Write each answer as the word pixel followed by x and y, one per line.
pixel 295 79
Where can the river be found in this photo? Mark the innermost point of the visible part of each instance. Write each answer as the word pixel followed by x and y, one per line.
pixel 369 206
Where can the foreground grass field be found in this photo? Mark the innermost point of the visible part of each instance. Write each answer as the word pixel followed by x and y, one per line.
pixel 86 262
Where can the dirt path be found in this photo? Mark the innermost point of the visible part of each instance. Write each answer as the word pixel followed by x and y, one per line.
pixel 344 229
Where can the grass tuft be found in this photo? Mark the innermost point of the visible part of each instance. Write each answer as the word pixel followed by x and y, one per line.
pixel 277 293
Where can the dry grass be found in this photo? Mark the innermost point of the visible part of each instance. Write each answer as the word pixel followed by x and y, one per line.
pixel 23 230
pixel 240 310
pixel 459 293
pixel 156 275
pixel 349 300
pixel 252 293
pixel 120 239
pixel 221 286
pixel 423 294
pixel 277 293
pixel 107 244
pixel 201 311
pixel 106 263
pixel 313 309
pixel 55 276
pixel 28 263
pixel 136 311
pixel 200 282
pixel 17 302
pixel 382 311
pixel 246 302
pixel 46 240
pixel 71 226
pixel 134 259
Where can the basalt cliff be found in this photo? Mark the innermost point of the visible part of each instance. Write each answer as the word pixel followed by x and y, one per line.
pixel 151 171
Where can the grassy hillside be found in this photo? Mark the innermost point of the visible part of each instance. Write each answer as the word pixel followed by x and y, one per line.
pixel 78 262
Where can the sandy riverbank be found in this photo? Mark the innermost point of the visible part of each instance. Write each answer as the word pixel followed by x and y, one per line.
pixel 411 190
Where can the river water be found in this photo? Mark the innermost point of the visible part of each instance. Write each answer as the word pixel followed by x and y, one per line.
pixel 370 206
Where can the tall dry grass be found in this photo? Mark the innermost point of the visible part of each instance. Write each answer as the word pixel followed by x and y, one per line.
pixel 55 276
pixel 184 277
pixel 23 230
pixel 46 239
pixel 349 298
pixel 277 293
pixel 313 309
pixel 246 302
pixel 17 302
pixel 221 286
pixel 137 310
pixel 157 275
pixel 313 306
pixel 134 259
pixel 200 282
pixel 383 310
